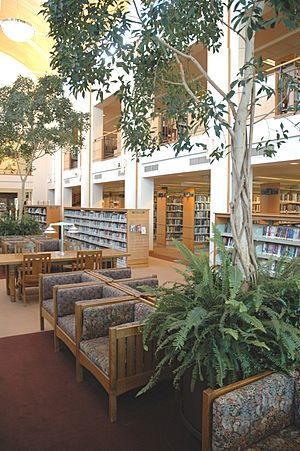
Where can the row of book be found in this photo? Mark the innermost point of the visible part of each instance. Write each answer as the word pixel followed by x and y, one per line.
pixel 288 233
pixel 97 215
pixel 278 250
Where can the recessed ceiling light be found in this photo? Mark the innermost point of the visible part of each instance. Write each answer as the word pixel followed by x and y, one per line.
pixel 270 62
pixel 294 163
pixel 17 30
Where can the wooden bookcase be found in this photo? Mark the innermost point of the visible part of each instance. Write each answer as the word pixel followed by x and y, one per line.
pixel 123 229
pixel 44 214
pixel 196 219
pixel 275 236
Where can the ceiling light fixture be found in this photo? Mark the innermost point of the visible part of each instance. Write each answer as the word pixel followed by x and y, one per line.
pixel 17 30
pixel 294 163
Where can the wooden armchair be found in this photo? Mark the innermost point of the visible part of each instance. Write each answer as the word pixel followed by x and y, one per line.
pixel 32 265
pixel 47 282
pixel 109 344
pixel 260 413
pixel 64 301
pixel 88 259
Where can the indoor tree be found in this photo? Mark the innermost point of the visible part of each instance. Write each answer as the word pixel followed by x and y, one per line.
pixel 36 119
pixel 150 43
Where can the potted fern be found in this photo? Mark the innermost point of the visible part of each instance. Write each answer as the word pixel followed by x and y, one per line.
pixel 216 330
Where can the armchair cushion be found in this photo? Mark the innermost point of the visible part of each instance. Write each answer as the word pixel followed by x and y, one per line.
pixel 111 292
pixel 98 320
pixel 67 324
pixel 48 305
pixel 66 297
pixel 97 350
pixel 249 414
pixel 287 439
pixel 122 273
pixel 48 281
pixel 142 311
pixel 136 283
pixel 49 245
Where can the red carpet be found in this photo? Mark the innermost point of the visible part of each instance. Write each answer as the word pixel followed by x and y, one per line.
pixel 44 409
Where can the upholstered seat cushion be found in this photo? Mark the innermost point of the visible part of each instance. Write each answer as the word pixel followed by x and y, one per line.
pixel 67 324
pixel 247 415
pixel 97 350
pixel 48 305
pixel 285 440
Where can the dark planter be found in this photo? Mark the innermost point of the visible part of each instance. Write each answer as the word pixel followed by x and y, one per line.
pixel 191 404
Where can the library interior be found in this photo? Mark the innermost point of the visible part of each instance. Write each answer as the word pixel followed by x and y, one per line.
pixel 156 290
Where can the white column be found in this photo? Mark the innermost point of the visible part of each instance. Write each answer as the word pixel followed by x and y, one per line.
pixel 131 174
pixel 97 195
pixel 67 198
pixel 146 200
pixel 58 161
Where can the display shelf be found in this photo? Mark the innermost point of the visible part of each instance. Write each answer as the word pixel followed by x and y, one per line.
pixel 121 229
pixel 44 214
pixel 289 201
pixel 275 236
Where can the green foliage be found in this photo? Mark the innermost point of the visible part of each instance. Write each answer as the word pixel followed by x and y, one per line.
pixel 147 42
pixel 222 330
pixel 25 226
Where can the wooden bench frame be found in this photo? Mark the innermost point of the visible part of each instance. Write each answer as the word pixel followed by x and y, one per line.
pixel 126 351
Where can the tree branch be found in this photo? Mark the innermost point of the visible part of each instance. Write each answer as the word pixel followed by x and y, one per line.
pixel 202 70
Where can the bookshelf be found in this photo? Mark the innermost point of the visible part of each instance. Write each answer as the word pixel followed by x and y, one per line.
pixel 289 201
pixel 174 217
pixel 275 236
pixel 44 214
pixel 202 218
pixel 196 219
pixel 122 229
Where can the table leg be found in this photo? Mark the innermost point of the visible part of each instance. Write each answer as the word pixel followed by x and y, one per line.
pixel 12 282
pixel 7 280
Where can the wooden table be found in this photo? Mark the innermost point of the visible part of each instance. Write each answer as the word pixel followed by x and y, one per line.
pixel 12 261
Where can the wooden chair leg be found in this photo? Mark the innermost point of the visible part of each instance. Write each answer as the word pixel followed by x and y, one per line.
pixel 24 296
pixel 112 409
pixel 56 343
pixel 42 323
pixel 79 372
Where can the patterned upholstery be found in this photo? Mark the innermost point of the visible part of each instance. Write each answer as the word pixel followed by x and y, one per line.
pixel 142 311
pixel 247 415
pixel 49 245
pixel 48 281
pixel 111 292
pixel 97 350
pixel 66 297
pixel 48 305
pixel 285 440
pixel 297 403
pixel 115 274
pixel 67 324
pixel 98 320
pixel 137 283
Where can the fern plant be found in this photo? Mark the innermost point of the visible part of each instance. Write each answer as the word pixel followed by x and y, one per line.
pixel 220 329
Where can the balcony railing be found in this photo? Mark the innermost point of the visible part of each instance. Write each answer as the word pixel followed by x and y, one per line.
pixel 107 146
pixel 289 87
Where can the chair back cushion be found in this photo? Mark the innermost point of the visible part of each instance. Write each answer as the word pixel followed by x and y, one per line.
pixel 66 297
pixel 111 292
pixel 98 320
pixel 244 416
pixel 49 245
pixel 142 311
pixel 137 283
pixel 122 273
pixel 48 281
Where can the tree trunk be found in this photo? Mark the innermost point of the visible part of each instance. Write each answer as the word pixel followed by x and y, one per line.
pixel 22 197
pixel 241 184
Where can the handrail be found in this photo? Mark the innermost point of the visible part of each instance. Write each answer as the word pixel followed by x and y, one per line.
pixel 114 132
pixel 283 64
